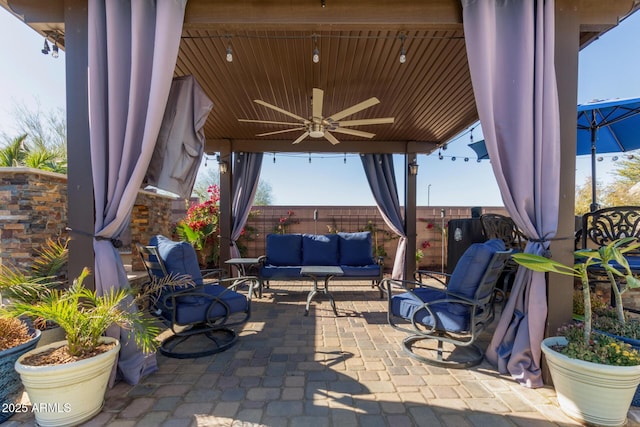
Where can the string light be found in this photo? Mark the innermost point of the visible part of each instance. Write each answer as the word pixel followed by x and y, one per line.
pixel 403 52
pixel 54 52
pixel 229 51
pixel 274 157
pixel 345 158
pixel 316 52
pixel 45 50
pixel 309 157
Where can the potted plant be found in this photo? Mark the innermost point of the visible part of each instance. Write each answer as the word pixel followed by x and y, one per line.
pixel 66 381
pixel 16 338
pixel 595 374
pixel 47 271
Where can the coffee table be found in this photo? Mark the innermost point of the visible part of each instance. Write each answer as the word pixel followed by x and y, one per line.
pixel 321 272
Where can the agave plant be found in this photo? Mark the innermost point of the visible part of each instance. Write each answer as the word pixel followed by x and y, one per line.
pixel 85 316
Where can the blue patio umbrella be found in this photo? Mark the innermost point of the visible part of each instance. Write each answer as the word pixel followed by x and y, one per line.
pixel 611 126
pixel 607 127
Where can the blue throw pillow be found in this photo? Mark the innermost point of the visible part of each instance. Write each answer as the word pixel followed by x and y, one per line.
pixel 284 249
pixel 319 249
pixel 178 257
pixel 356 249
pixel 471 266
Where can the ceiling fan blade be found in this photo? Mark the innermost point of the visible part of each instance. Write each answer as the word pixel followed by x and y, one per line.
pixel 301 137
pixel 355 108
pixel 332 139
pixel 378 121
pixel 280 110
pixel 318 95
pixel 268 122
pixel 279 131
pixel 354 132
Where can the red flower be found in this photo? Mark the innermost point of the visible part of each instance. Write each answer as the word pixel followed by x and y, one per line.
pixel 426 245
pixel 430 225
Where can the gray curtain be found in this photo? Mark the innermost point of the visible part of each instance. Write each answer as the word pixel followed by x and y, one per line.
pixel 246 173
pixel 180 146
pixel 133 47
pixel 510 46
pixel 382 181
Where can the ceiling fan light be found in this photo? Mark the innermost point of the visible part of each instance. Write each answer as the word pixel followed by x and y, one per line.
pixel 316 131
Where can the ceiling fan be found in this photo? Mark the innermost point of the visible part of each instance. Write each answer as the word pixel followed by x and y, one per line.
pixel 318 126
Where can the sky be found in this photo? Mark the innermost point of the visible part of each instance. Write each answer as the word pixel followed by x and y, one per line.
pixel 608 69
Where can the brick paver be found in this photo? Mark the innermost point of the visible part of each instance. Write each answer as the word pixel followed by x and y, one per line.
pixel 290 370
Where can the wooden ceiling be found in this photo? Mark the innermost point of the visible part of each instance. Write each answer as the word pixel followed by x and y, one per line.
pixel 430 95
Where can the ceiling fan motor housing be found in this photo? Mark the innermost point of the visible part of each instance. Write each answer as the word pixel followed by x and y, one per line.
pixel 316 130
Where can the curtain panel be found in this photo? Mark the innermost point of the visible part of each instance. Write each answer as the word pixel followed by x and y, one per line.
pixel 133 47
pixel 510 47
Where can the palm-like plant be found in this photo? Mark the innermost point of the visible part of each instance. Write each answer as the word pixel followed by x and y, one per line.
pixel 85 316
pixel 13 153
pixel 46 273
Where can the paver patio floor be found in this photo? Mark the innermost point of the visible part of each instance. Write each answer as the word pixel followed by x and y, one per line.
pixel 321 370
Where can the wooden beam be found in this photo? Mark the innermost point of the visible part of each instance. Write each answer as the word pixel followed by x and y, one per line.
pixel 311 16
pixel 80 183
pixel 560 289
pixel 38 11
pixel 320 146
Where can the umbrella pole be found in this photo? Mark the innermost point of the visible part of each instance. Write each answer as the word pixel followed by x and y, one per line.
pixel 594 202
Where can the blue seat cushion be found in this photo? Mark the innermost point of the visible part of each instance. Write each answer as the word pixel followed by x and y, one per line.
pixel 279 272
pixel 320 249
pixel 284 249
pixel 356 249
pixel 471 267
pixel 408 304
pixel 193 309
pixel 178 257
pixel 372 270
pixel 469 270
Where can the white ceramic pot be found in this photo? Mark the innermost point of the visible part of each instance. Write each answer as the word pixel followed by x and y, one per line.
pixel 69 394
pixel 591 392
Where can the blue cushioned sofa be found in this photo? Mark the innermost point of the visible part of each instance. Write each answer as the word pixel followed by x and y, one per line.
pixel 288 253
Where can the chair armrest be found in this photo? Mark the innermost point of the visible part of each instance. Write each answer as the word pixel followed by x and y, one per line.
pixel 436 275
pixel 410 286
pixel 214 273
pixel 232 283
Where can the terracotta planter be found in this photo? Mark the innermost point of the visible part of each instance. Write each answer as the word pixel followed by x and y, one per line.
pixel 591 392
pixel 10 386
pixel 69 394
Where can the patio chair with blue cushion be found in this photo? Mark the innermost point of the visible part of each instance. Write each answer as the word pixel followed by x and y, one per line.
pixel 444 322
pixel 200 314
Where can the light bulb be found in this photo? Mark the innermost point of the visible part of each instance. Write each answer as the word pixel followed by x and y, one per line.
pixel 316 55
pixel 45 49
pixel 229 54
pixel 54 52
pixel 403 56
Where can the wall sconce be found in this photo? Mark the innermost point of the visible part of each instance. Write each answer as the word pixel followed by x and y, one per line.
pixel 223 167
pixel 413 168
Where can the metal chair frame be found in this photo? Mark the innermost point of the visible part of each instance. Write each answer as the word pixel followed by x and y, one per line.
pixel 218 329
pixel 481 314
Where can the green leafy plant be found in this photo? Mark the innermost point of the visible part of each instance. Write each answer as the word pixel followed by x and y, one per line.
pixel 47 272
pixel 587 344
pixel 284 223
pixel 201 226
pixel 85 316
